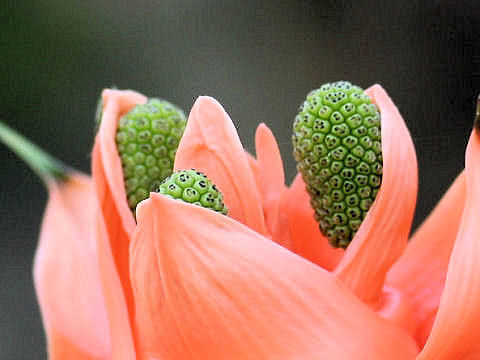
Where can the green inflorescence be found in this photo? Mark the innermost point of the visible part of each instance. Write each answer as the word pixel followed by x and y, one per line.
pixel 193 187
pixel 337 145
pixel 147 141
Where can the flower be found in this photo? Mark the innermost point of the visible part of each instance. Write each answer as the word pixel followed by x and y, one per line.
pixel 183 282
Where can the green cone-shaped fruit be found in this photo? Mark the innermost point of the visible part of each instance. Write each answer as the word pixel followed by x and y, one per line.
pixel 193 187
pixel 147 140
pixel 337 145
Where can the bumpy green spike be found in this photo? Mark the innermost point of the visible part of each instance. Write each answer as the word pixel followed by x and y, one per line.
pixel 336 141
pixel 193 187
pixel 147 140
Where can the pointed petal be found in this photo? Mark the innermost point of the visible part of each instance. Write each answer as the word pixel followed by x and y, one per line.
pixel 307 240
pixel 116 218
pixel 270 180
pixel 66 274
pixel 210 144
pixel 421 270
pixel 455 330
pixel 208 287
pixel 270 167
pixel 384 232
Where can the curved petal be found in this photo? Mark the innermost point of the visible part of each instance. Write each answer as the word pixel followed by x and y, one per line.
pixel 384 232
pixel 307 240
pixel 455 330
pixel 208 287
pixel 66 274
pixel 270 178
pixel 115 222
pixel 115 104
pixel 421 270
pixel 120 308
pixel 211 144
pixel 270 168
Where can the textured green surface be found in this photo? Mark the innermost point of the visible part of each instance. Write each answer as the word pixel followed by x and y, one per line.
pixel 337 145
pixel 193 187
pixel 147 141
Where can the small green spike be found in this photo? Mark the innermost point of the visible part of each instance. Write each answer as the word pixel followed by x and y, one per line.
pixel 193 187
pixel 147 141
pixel 337 146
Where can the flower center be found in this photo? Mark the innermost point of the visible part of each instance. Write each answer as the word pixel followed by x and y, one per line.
pixel 337 145
pixel 193 187
pixel 147 140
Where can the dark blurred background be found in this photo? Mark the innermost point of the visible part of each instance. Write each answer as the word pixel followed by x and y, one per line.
pixel 258 58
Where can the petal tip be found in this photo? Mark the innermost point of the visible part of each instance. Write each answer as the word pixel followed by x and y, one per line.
pixel 262 126
pixel 204 100
pixel 207 107
pixel 375 89
pixel 142 207
pixel 262 133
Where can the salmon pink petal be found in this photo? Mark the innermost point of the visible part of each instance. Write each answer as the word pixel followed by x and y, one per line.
pixel 271 184
pixel 474 354
pixel 210 144
pixel 455 330
pixel 115 216
pixel 307 240
pixel 421 270
pixel 208 287
pixel 253 163
pixel 384 232
pixel 119 303
pixel 115 104
pixel 66 274
pixel 270 167
pixel 394 306
pixel 59 348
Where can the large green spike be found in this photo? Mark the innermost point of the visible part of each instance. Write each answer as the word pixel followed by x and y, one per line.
pixel 193 187
pixel 337 145
pixel 147 141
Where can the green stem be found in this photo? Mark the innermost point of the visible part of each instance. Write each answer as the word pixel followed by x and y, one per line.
pixel 44 165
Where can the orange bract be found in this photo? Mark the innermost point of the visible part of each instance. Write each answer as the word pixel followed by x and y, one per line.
pixel 188 283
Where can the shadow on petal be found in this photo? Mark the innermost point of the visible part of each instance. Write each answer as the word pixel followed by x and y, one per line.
pixel 307 240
